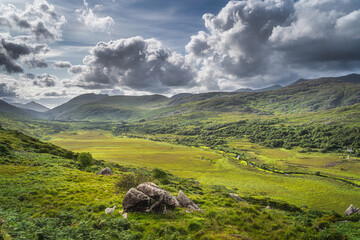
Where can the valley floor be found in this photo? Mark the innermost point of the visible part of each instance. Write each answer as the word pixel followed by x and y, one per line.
pixel 318 183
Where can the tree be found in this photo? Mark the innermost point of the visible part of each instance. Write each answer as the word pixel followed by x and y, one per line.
pixel 85 159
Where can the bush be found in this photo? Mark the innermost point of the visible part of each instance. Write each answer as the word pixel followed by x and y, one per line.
pixel 85 160
pixel 159 174
pixel 128 181
pixel 4 150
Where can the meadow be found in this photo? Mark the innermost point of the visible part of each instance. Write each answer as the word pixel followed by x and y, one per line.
pixel 212 167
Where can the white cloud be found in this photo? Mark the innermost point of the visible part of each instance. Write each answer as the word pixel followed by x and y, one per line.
pixel 87 16
pixel 133 63
pixel 39 20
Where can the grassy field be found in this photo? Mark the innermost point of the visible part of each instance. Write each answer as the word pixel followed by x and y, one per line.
pixel 216 168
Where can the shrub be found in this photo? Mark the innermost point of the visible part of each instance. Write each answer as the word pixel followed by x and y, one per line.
pixel 4 150
pixel 128 181
pixel 159 174
pixel 85 159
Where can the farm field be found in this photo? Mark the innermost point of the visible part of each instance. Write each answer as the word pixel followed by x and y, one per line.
pixel 216 168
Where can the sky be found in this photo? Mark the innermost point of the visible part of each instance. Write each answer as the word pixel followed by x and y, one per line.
pixel 52 51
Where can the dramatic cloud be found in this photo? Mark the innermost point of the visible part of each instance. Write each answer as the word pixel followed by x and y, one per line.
pixel 135 63
pixel 20 29
pixel 10 51
pixel 62 64
pixel 36 63
pixel 44 80
pixel 6 90
pixel 86 16
pixel 38 19
pixel 255 42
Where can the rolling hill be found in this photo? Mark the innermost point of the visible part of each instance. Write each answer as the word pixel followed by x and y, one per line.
pixel 73 104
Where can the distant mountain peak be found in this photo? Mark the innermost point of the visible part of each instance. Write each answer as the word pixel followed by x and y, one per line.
pixel 271 88
pixel 350 78
pixel 31 106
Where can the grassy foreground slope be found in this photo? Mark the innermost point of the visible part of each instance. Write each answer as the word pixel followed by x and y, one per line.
pixel 46 196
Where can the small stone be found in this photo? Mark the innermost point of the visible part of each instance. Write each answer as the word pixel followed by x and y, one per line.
pixel 351 210
pixel 105 171
pixel 236 197
pixel 186 202
pixel 268 207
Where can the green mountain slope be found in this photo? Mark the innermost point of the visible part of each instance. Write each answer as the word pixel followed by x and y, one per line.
pixel 8 108
pixel 117 108
pixel 74 103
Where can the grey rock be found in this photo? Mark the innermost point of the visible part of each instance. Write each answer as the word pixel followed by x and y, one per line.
pixel 136 201
pixel 105 171
pixel 236 197
pixel 351 210
pixel 148 197
pixel 186 202
pixel 268 207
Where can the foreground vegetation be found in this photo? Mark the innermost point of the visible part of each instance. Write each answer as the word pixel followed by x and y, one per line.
pixel 47 196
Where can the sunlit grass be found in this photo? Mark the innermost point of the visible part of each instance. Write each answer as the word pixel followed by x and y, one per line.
pixel 212 168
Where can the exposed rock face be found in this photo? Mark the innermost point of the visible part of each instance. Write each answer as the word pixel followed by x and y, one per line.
pixel 148 197
pixel 186 202
pixel 105 171
pixel 351 210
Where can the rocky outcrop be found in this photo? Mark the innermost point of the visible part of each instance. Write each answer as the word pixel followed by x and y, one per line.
pixel 186 202
pixel 148 197
pixel 105 171
pixel 351 210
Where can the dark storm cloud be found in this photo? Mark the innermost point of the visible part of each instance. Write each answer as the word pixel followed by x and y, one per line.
pixel 10 51
pixel 36 63
pixel 253 41
pixel 62 64
pixel 7 91
pixel 136 63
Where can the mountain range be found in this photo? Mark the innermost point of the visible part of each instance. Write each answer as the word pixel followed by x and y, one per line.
pixel 301 96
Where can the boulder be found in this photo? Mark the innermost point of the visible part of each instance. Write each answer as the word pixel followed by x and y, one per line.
pixel 186 202
pixel 148 197
pixel 105 171
pixel 351 210
pixel 136 201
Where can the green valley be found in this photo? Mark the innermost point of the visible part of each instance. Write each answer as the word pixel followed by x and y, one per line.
pixel 291 154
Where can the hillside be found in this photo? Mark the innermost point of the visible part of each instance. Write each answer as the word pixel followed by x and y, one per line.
pixel 8 108
pixel 32 106
pixel 115 108
pixel 74 103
